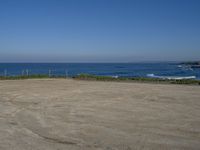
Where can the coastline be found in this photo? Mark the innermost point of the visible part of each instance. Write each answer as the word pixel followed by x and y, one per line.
pixel 89 77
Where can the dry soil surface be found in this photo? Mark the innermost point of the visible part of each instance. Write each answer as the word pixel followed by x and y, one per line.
pixel 66 114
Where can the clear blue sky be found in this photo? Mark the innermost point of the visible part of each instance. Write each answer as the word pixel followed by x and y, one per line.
pixel 99 30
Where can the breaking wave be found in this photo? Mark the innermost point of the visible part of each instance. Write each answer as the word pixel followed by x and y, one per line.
pixel 171 77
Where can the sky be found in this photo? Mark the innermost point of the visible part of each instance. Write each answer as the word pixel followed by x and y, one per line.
pixel 99 30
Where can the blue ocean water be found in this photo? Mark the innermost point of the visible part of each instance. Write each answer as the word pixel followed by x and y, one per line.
pixel 104 69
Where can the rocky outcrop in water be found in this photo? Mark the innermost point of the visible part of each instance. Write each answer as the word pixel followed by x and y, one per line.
pixel 194 64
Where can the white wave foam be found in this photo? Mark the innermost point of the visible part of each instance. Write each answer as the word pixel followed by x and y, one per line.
pixel 115 76
pixel 185 67
pixel 171 77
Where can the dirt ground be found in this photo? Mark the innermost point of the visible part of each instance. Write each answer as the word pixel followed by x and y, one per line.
pixel 66 114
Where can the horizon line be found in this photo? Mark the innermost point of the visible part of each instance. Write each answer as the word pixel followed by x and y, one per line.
pixel 102 62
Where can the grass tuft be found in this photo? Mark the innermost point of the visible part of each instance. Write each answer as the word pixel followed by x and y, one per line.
pixel 108 78
pixel 137 79
pixel 36 76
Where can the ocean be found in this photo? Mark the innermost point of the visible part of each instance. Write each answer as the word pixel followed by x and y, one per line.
pixel 151 70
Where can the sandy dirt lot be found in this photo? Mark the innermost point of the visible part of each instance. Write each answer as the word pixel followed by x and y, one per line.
pixel 65 114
